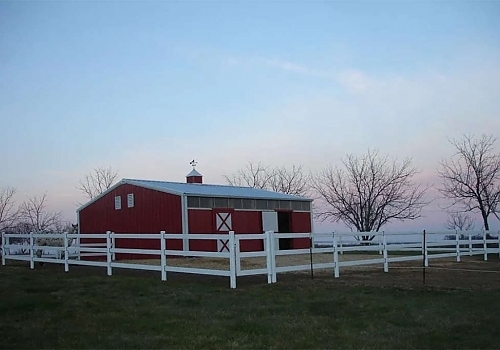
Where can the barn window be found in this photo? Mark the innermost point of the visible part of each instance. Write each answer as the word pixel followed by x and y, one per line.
pixel 248 203
pixel 284 204
pixel 306 206
pixel 118 202
pixel 272 204
pixel 130 200
pixel 193 202
pixel 206 202
pixel 301 205
pixel 220 203
pixel 237 203
pixel 261 204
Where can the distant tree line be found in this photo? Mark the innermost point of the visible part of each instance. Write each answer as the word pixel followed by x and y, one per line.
pixel 32 215
pixel 369 191
pixel 366 192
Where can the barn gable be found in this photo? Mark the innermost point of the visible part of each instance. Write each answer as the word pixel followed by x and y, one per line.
pixel 129 209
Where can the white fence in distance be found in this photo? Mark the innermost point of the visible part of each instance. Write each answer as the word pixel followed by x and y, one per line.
pixel 464 244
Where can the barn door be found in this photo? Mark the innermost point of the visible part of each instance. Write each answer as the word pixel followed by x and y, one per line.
pixel 285 226
pixel 270 223
pixel 223 224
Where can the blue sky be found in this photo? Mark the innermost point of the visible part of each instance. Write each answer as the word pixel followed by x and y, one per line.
pixel 147 86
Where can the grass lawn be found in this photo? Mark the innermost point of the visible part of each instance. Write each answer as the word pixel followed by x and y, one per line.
pixel 83 308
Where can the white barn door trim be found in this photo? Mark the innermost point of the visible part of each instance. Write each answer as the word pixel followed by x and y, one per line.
pixel 270 223
pixel 223 223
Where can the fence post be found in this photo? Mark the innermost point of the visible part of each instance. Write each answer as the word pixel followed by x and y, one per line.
pixel 426 252
pixel 485 247
pixel 273 256
pixel 267 246
pixel 457 240
pixel 32 252
pixel 336 268
pixel 232 260
pixel 3 248
pixel 341 245
pixel 108 251
pixel 384 245
pixel 380 250
pixel 311 245
pixel 237 254
pixel 113 245
pixel 470 243
pixel 65 239
pixel 498 233
pixel 163 256
pixel 78 242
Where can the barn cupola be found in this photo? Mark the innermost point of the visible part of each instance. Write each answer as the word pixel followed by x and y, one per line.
pixel 194 177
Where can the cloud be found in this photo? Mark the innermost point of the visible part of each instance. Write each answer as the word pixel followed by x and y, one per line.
pixel 355 81
pixel 266 62
pixel 284 65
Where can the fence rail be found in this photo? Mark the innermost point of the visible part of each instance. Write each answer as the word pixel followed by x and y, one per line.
pixel 430 247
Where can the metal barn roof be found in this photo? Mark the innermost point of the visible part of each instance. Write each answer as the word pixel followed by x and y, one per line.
pixel 201 190
pixel 206 190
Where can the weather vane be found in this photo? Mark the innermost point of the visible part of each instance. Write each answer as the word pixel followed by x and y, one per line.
pixel 193 163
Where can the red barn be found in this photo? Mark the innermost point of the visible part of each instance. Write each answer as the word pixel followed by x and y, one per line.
pixel 145 206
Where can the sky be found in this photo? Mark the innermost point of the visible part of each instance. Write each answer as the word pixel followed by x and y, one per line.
pixel 146 86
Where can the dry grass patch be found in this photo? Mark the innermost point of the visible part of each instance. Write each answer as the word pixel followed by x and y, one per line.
pixel 252 263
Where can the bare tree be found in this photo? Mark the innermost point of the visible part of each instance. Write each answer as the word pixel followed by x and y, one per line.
pixel 496 212
pixel 8 214
pixel 471 178
pixel 253 175
pixel 61 226
pixel 33 214
pixel 289 180
pixel 98 181
pixel 459 221
pixel 280 179
pixel 369 192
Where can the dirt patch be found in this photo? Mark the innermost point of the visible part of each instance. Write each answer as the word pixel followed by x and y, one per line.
pixel 472 272
pixel 253 263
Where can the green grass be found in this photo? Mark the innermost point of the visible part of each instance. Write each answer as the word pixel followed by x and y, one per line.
pixel 48 308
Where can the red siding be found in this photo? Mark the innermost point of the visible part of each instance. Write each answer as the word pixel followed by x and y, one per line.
pixel 194 179
pixel 201 221
pixel 248 222
pixel 153 212
pixel 301 223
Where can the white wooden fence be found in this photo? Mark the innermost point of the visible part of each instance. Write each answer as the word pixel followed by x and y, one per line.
pixel 379 251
